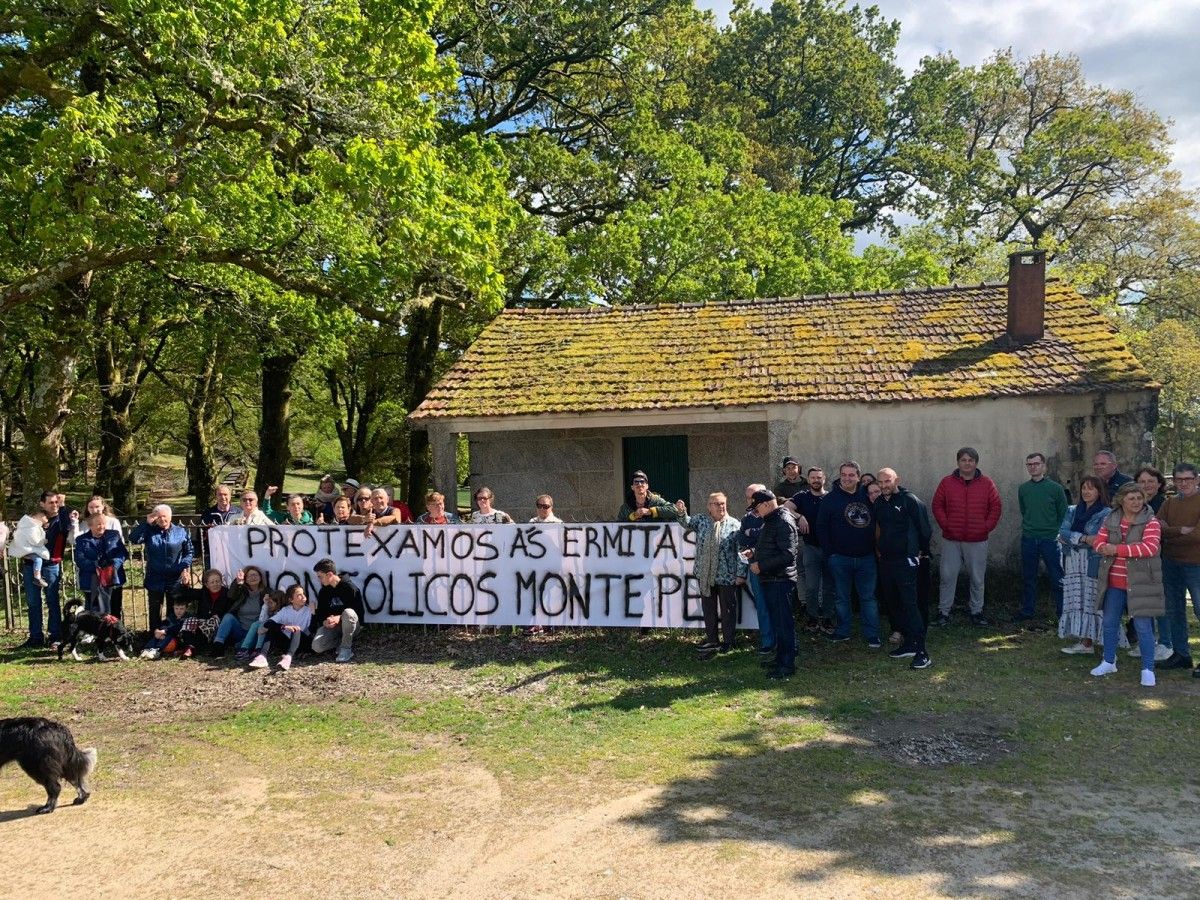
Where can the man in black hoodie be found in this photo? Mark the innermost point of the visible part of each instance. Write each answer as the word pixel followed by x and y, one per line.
pixel 904 533
pixel 846 531
pixel 340 612
pixel 775 565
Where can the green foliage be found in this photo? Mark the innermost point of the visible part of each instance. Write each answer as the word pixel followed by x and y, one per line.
pixel 1034 155
pixel 235 181
pixel 296 141
pixel 1170 350
pixel 815 88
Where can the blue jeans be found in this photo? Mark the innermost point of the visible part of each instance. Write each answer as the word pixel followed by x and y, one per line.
pixel 253 640
pixel 1178 579
pixel 52 575
pixel 1114 608
pixel 860 572
pixel 766 635
pixel 230 627
pixel 1033 551
pixel 783 622
pixel 818 584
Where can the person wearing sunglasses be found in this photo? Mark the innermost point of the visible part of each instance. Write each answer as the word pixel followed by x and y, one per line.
pixel 251 514
pixel 641 503
pixel 486 514
pixel 545 510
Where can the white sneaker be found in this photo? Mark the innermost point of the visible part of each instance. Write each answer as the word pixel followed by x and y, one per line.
pixel 1135 652
pixel 285 661
pixel 1162 652
pixel 151 653
pixel 145 654
pixel 1148 678
pixel 259 662
pixel 1105 668
pixel 1081 647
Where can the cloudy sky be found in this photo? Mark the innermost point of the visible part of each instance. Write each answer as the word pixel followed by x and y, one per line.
pixel 1147 46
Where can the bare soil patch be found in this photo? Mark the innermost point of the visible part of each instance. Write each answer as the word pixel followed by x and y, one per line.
pixel 941 740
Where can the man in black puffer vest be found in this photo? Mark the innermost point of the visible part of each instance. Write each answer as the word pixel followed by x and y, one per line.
pixel 775 565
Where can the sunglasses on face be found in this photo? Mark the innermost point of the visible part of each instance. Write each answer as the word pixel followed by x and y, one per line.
pixel 543 506
pixel 639 481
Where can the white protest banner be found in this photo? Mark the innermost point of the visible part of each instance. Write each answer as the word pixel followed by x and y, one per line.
pixel 552 574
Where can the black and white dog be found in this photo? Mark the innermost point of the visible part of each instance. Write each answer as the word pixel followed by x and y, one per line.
pixel 47 752
pixel 105 629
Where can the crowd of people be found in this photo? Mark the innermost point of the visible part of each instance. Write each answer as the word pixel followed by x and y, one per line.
pixel 804 551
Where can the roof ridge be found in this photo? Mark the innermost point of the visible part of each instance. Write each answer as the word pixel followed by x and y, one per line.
pixel 601 309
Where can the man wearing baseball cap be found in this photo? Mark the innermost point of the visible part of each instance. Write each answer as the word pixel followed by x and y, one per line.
pixel 774 563
pixel 792 483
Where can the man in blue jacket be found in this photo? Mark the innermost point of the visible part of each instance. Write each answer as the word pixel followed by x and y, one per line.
pixel 100 557
pixel 168 553
pixel 775 565
pixel 846 531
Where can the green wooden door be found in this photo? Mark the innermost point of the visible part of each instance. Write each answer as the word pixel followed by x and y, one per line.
pixel 664 460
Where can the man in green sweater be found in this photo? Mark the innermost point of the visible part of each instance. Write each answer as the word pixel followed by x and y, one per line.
pixel 1043 504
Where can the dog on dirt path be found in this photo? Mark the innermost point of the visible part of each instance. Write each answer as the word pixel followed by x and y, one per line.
pixel 107 630
pixel 47 752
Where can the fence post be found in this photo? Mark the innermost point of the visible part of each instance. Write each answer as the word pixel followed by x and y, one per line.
pixel 8 607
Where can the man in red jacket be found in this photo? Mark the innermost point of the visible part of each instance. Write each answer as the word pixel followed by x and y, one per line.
pixel 966 505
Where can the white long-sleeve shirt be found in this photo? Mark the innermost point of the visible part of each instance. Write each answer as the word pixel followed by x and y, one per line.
pixel 289 615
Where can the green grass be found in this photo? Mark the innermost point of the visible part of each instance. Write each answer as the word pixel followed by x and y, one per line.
pixel 609 712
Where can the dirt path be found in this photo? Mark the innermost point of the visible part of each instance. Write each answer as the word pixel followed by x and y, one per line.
pixel 454 832
pixel 243 839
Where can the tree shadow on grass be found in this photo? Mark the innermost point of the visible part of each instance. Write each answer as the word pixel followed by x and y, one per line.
pixel 857 821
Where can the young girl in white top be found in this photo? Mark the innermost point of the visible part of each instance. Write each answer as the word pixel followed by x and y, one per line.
pixel 286 628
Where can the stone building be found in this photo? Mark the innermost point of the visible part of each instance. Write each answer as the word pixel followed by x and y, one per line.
pixel 712 396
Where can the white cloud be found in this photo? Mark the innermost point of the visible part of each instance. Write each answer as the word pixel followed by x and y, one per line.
pixel 1147 46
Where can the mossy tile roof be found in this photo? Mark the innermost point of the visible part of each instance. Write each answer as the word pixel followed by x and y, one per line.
pixel 937 344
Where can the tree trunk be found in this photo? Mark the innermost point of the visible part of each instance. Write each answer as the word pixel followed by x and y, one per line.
pixel 274 439
pixel 39 462
pixel 356 393
pixel 52 389
pixel 116 469
pixel 201 405
pixel 424 337
pixel 201 469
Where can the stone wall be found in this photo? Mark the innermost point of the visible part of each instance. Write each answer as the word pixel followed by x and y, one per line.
pixel 581 467
pixel 920 441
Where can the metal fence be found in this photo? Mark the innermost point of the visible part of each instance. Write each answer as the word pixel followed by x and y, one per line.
pixel 134 604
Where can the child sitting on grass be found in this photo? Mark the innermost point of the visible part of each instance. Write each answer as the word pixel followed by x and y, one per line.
pixel 286 628
pixel 256 635
pixel 164 639
pixel 29 543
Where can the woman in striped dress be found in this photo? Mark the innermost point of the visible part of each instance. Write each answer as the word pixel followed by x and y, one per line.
pixel 1080 563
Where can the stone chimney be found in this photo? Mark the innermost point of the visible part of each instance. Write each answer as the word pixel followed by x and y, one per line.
pixel 1026 296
